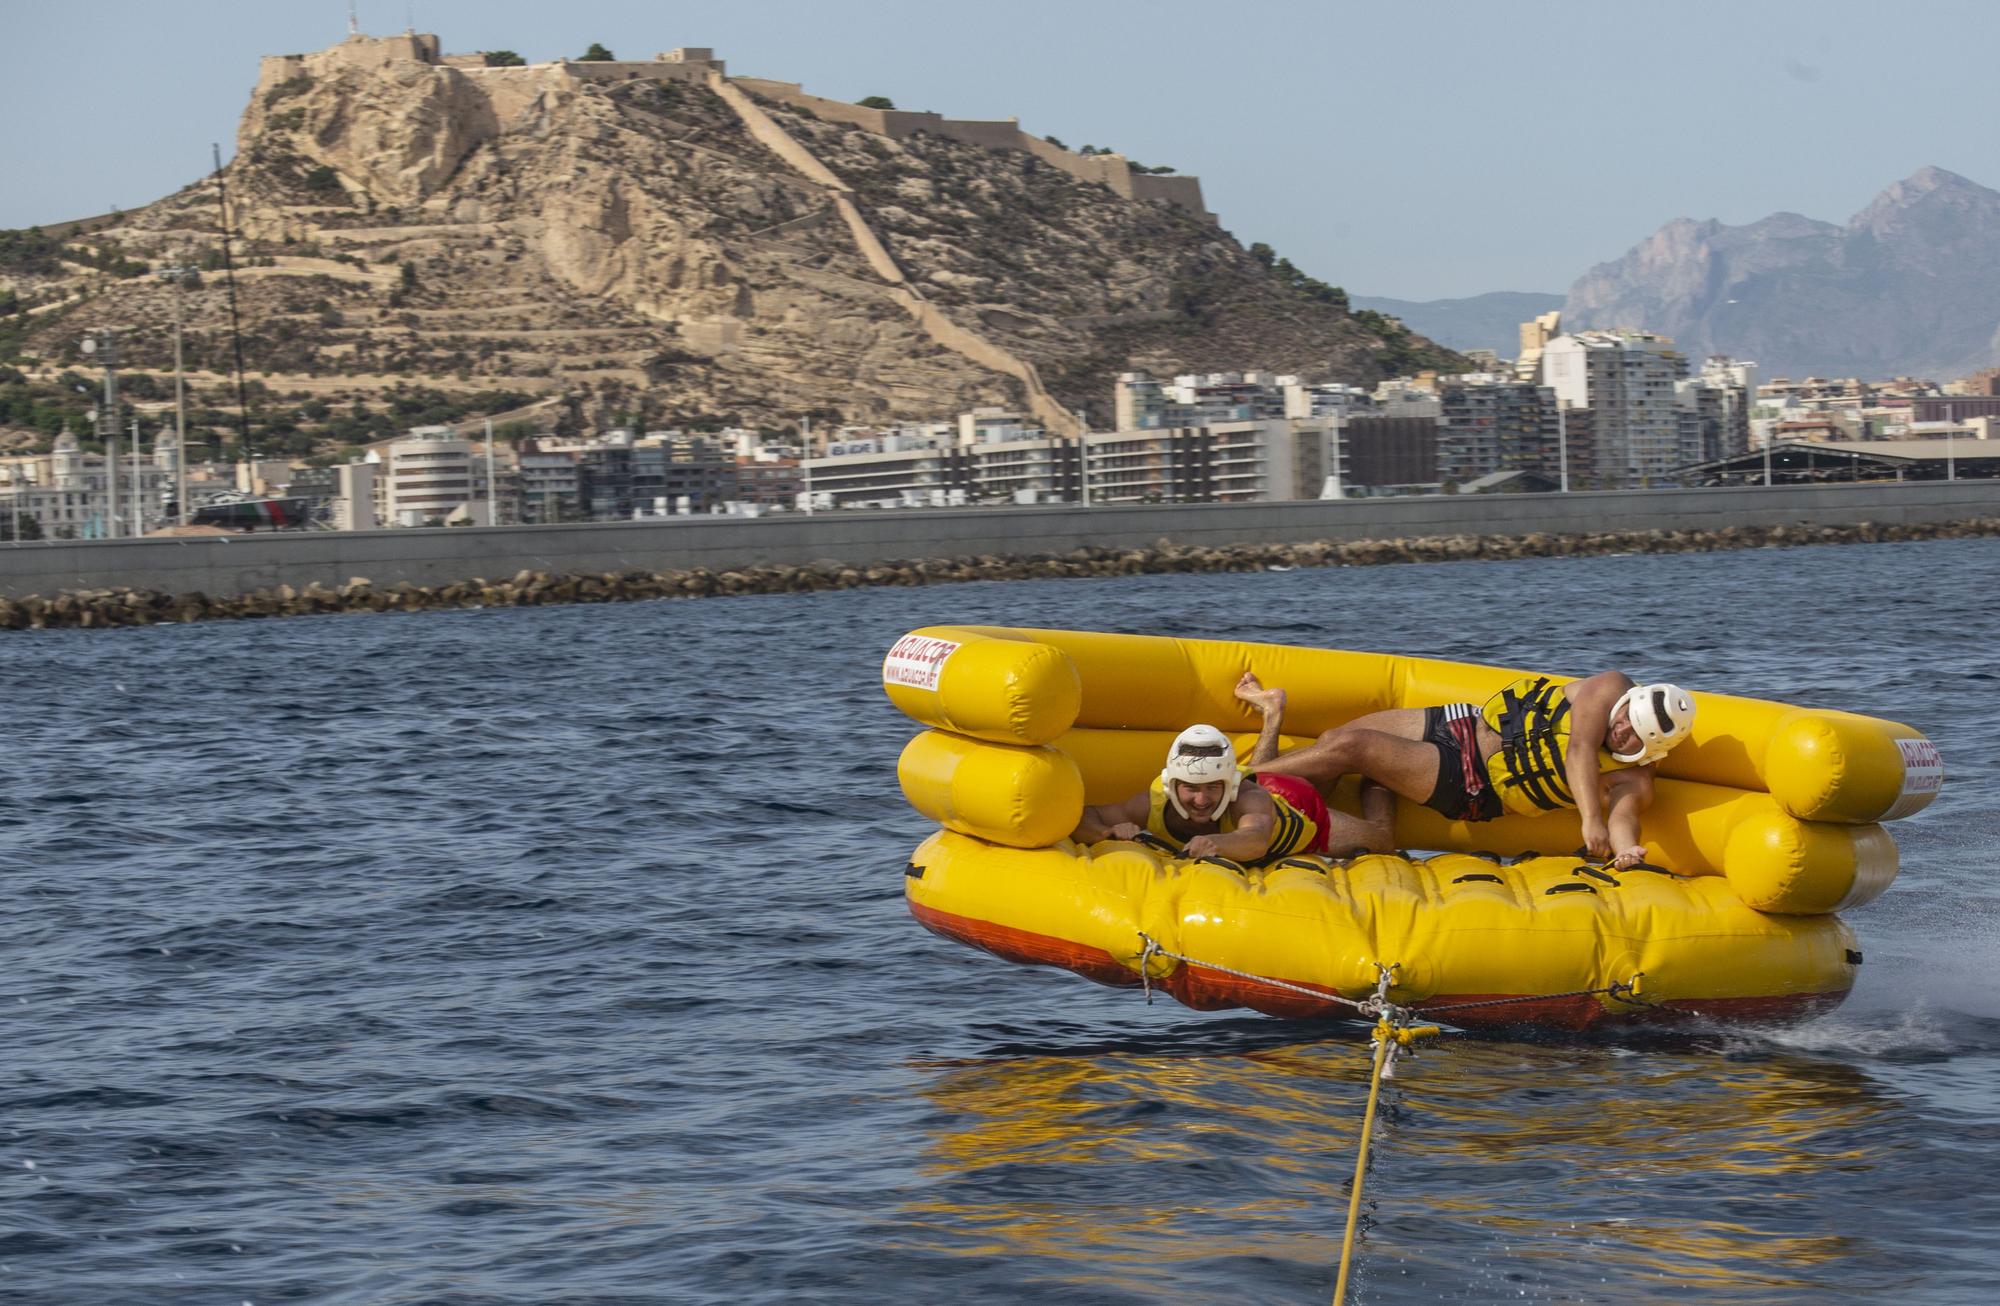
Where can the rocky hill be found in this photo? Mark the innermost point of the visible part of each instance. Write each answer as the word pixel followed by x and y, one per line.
pixel 1909 286
pixel 657 243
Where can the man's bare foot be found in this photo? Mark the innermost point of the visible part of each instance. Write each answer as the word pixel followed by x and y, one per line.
pixel 1251 690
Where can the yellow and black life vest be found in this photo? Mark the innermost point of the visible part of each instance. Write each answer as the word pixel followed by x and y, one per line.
pixel 1292 831
pixel 1531 716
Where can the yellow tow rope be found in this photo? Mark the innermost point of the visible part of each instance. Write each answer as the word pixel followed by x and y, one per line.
pixel 1388 1035
pixel 1391 1035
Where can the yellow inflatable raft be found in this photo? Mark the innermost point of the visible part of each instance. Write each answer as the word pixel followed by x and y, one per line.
pixel 1763 824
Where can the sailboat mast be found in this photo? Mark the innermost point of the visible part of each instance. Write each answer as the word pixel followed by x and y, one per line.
pixel 235 324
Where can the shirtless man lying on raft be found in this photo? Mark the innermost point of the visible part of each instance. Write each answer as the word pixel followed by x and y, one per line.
pixel 1205 802
pixel 1534 747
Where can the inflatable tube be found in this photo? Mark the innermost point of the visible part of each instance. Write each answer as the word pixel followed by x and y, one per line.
pixel 1005 684
pixel 1539 940
pixel 989 687
pixel 1762 824
pixel 1010 794
pixel 1032 797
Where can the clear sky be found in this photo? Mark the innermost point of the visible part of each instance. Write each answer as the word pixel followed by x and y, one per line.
pixel 1419 150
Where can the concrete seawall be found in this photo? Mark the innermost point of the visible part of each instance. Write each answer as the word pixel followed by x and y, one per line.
pixel 224 566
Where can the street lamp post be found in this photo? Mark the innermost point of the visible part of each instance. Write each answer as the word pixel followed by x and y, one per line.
pixel 805 460
pixel 179 277
pixel 138 499
pixel 105 343
pixel 1562 447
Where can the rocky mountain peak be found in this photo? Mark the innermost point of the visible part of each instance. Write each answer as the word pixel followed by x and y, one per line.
pixel 1931 197
pixel 1909 286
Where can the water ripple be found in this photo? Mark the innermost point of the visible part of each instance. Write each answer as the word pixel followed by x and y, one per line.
pixel 559 954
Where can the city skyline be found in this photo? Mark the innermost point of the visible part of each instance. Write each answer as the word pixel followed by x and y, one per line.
pixel 1391 155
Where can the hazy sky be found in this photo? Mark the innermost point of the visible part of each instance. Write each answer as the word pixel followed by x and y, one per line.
pixel 1418 150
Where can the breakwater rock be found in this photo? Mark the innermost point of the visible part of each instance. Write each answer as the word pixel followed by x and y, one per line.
pixel 134 607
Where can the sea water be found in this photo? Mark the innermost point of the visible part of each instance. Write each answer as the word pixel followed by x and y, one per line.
pixel 560 955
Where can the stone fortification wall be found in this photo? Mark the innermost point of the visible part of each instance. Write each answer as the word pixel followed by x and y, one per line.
pixel 1182 191
pixel 1376 530
pixel 619 70
pixel 1112 170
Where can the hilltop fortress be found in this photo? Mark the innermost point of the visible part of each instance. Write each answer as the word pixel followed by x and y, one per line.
pixel 511 90
pixel 656 242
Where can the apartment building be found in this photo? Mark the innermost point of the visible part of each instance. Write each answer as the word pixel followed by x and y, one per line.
pixel 1221 462
pixel 1627 380
pixel 430 477
pixel 1488 422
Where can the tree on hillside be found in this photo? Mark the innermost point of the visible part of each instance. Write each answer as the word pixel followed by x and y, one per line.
pixel 877 102
pixel 506 59
pixel 597 54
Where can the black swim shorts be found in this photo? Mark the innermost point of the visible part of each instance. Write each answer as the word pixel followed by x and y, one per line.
pixel 1462 793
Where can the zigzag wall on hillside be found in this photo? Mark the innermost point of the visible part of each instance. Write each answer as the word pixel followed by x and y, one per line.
pixel 950 334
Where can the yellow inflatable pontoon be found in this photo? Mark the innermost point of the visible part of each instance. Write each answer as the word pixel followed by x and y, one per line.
pixel 1764 823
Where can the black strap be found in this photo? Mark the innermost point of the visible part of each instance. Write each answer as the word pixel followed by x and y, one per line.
pixel 1470 876
pixel 1573 886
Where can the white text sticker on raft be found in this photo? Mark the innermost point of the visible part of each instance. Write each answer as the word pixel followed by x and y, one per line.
pixel 916 661
pixel 1923 776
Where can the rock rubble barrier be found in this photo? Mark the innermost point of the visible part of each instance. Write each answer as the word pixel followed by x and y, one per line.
pixel 100 608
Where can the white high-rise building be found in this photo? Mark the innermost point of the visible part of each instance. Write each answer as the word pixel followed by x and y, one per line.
pixel 428 477
pixel 1626 379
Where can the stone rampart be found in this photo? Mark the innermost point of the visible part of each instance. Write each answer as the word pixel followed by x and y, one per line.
pixel 225 566
pixel 1111 170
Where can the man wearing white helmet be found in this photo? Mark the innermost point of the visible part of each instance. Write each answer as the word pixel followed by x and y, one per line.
pixel 1536 746
pixel 1205 802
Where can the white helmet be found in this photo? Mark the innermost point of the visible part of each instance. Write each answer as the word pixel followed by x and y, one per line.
pixel 1202 767
pixel 1661 715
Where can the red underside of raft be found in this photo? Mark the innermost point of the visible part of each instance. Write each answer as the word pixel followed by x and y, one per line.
pixel 1207 990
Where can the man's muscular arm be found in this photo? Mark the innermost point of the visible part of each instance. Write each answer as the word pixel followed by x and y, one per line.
pixel 1590 704
pixel 1628 794
pixel 1113 820
pixel 1256 820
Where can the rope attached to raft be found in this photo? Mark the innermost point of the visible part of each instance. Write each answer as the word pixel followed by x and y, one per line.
pixel 1392 1036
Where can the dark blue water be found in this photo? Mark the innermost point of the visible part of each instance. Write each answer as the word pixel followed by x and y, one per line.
pixel 560 955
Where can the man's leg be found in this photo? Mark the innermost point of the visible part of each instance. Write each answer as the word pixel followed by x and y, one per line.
pixel 1373 831
pixel 1386 747
pixel 1271 703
